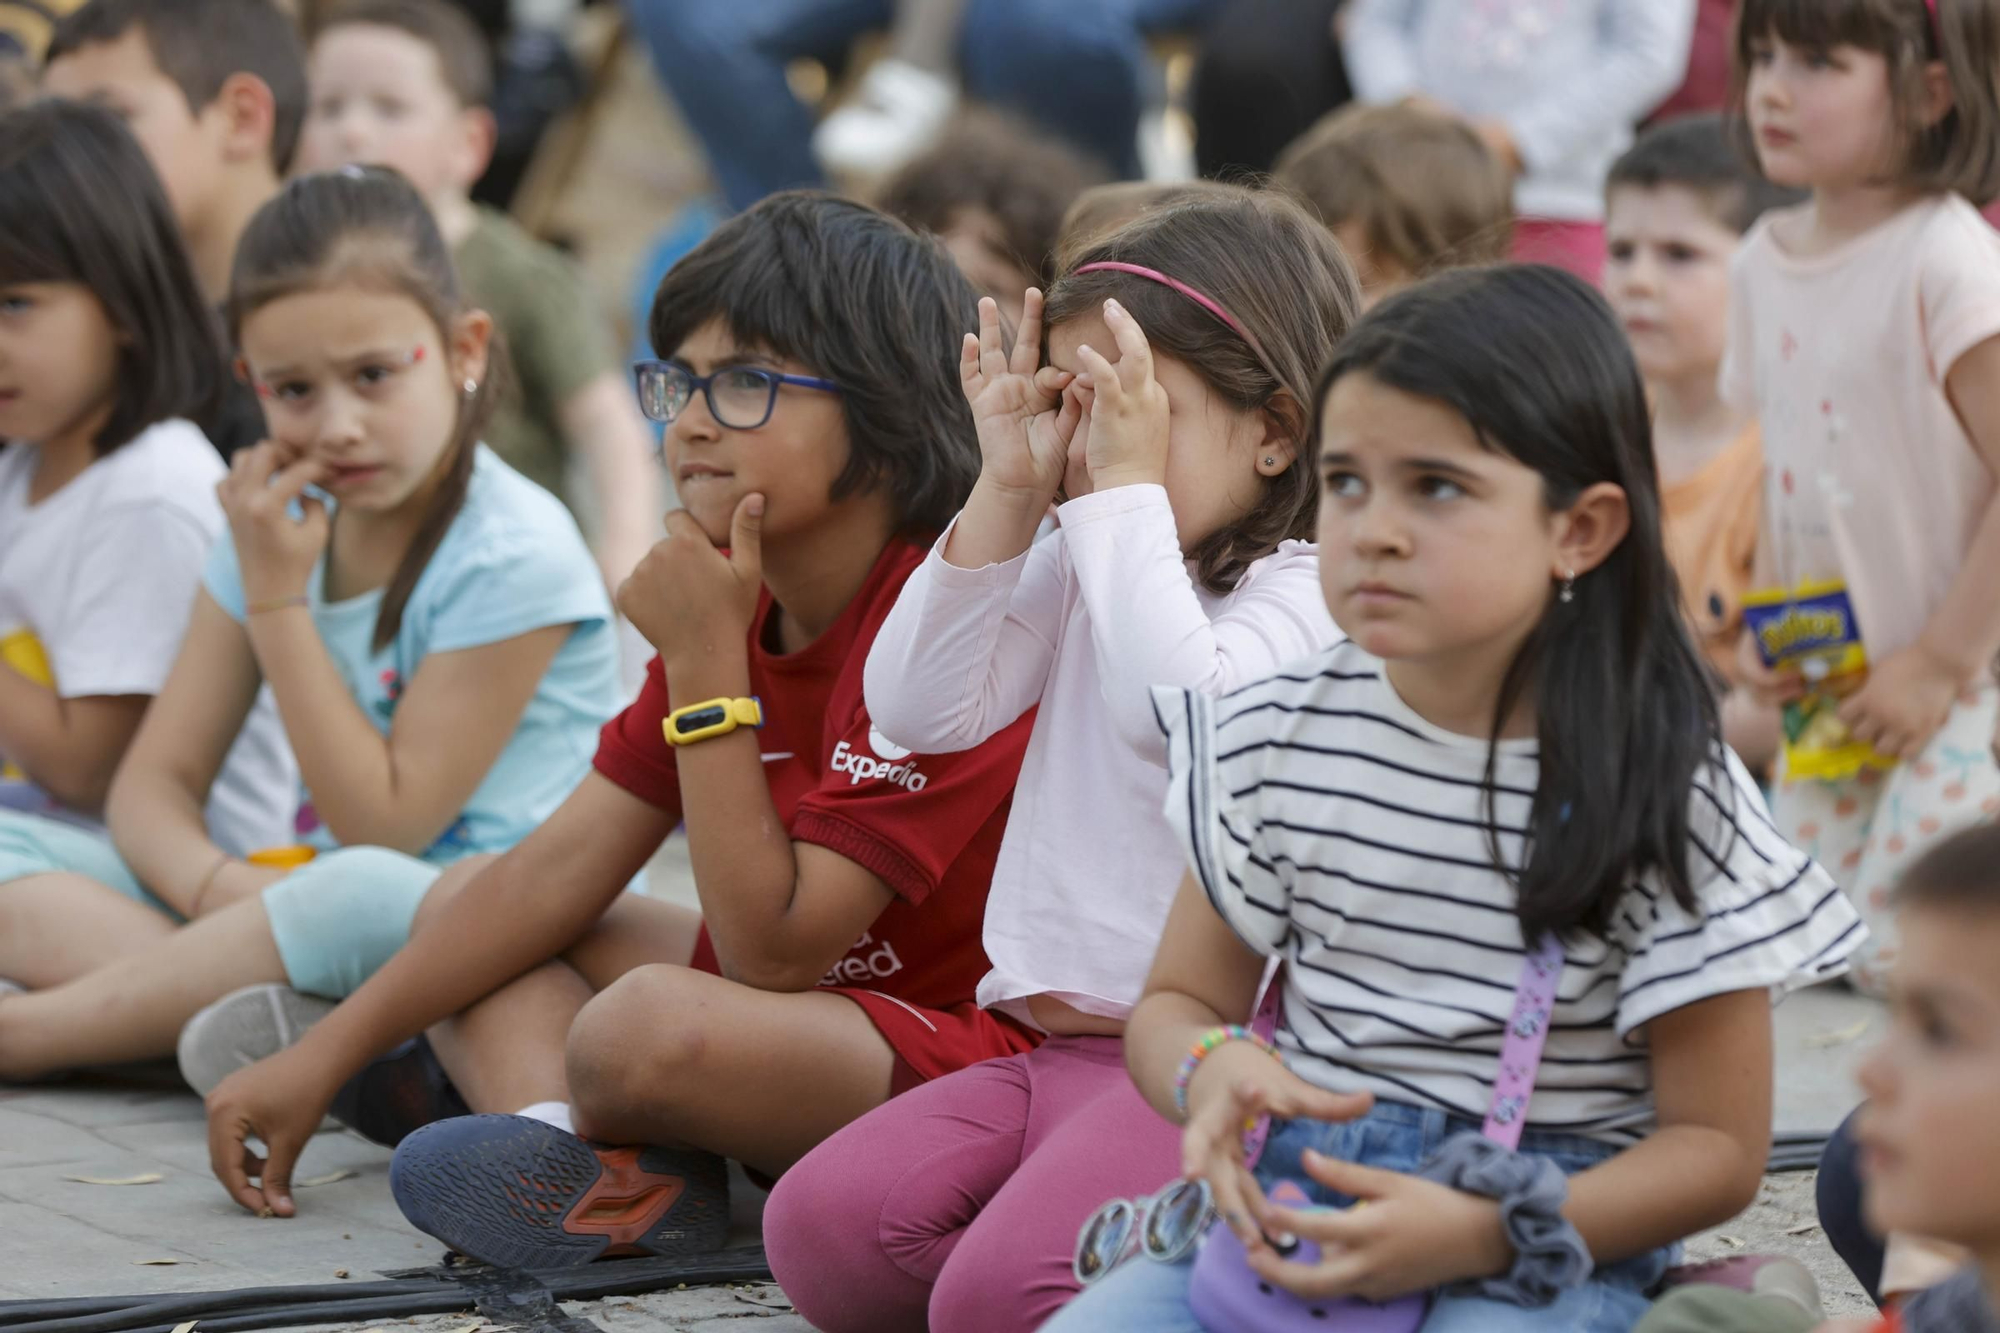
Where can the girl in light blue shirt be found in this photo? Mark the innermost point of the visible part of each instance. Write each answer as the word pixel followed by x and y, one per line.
pixel 432 627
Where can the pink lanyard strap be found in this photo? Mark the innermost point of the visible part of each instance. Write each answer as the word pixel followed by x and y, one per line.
pixel 1520 1048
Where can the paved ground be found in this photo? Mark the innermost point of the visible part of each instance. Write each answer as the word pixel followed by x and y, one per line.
pixel 61 1235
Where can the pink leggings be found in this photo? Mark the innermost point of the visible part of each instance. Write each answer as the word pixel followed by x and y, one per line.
pixel 956 1205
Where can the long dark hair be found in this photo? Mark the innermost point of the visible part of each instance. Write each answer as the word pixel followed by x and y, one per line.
pixel 1273 266
pixel 366 226
pixel 79 203
pixel 1533 359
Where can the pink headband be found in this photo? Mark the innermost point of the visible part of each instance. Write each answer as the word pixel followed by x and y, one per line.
pixel 1206 302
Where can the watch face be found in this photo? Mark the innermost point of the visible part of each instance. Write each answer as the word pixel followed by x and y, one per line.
pixel 689 723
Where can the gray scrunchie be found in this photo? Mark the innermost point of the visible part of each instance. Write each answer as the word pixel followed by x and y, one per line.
pixel 1531 1191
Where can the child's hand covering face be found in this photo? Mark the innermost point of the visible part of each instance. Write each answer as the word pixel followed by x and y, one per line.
pixel 1026 421
pixel 1127 428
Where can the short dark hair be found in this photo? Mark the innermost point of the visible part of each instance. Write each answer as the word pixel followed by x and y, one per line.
pixel 1963 871
pixel 464 58
pixel 1697 154
pixel 1961 152
pixel 79 203
pixel 864 301
pixel 996 164
pixel 1268 262
pixel 1421 186
pixel 199 44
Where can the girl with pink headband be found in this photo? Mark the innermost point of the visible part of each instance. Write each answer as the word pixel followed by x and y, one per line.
pixel 1168 429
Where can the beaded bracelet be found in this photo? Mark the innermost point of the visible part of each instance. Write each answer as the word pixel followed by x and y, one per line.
pixel 1206 1047
pixel 277 604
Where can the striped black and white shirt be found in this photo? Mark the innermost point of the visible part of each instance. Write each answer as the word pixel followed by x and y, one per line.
pixel 1336 829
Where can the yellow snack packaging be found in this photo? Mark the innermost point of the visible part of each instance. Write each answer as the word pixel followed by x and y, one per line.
pixel 1813 630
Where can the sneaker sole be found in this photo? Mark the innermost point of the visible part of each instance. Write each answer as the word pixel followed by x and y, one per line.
pixel 517 1193
pixel 242 1028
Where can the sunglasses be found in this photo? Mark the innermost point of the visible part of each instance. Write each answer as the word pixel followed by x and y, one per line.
pixel 1165 1227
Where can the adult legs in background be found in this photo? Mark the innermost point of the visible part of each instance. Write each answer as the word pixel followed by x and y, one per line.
pixel 1269 69
pixel 957 1206
pixel 1078 70
pixel 724 66
pixel 1840 1217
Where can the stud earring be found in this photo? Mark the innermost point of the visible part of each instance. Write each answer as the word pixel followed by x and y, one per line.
pixel 1270 460
pixel 1567 593
pixel 471 387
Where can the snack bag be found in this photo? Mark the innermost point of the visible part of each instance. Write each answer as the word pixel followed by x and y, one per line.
pixel 1813 630
pixel 22 651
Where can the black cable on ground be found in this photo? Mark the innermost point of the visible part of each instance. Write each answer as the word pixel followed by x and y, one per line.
pixel 512 1295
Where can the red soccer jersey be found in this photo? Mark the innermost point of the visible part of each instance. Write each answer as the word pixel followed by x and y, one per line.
pixel 928 825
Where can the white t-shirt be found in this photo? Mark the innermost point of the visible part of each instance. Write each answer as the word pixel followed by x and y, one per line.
pixel 1336 829
pixel 1080 627
pixel 96 583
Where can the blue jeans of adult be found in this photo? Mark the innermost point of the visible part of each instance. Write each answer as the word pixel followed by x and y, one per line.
pixel 1075 67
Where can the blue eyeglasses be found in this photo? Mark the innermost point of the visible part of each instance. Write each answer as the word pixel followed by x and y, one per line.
pixel 739 397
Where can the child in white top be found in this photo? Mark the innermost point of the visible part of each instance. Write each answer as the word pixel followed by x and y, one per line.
pixel 1517 746
pixel 107 512
pixel 1176 559
pixel 1866 336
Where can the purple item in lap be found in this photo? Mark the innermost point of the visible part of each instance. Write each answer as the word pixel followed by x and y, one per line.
pixel 1226 1297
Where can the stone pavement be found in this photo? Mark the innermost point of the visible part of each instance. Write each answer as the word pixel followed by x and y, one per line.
pixel 61 1236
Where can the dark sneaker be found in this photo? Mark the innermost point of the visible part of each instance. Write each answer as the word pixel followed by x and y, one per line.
pixel 519 1193
pixel 398 1094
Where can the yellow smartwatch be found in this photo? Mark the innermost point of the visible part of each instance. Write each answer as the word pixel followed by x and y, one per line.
pixel 712 718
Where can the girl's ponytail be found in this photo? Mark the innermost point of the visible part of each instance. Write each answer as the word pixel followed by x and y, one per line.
pixel 366 225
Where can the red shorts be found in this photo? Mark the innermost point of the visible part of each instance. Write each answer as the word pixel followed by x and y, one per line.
pixel 928 1043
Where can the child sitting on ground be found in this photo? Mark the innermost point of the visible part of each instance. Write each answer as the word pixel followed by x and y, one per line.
pixel 405 84
pixel 815 433
pixel 107 513
pixel 215 91
pixel 1929 1138
pixel 1498 816
pixel 995 192
pixel 429 622
pixel 1177 473
pixel 1407 192
pixel 1676 209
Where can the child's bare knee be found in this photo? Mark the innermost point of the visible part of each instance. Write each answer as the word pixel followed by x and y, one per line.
pixel 636 1045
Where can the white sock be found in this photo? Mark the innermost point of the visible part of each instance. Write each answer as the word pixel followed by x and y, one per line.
pixel 550 1113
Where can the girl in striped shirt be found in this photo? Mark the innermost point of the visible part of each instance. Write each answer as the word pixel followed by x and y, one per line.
pixel 1516 745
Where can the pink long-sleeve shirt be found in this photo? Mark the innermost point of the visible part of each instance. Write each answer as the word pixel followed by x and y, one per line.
pixel 1082 624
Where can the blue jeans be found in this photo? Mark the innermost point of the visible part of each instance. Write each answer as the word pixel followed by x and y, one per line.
pixel 1076 67
pixel 1147 1297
